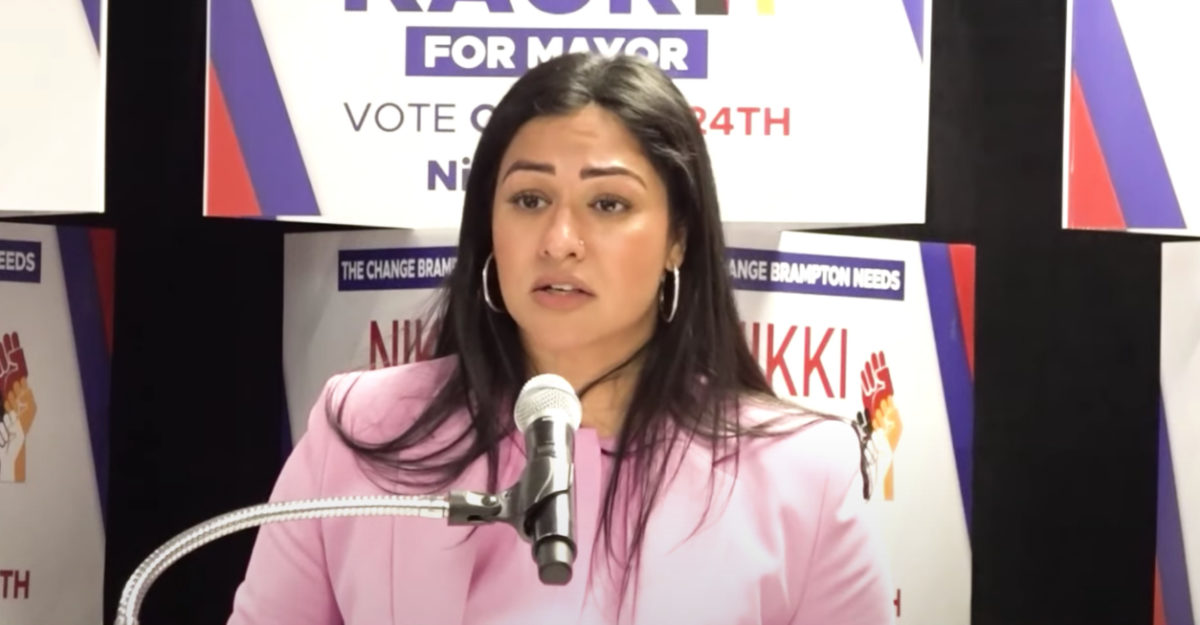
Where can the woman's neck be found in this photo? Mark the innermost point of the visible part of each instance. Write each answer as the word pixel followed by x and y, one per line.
pixel 604 404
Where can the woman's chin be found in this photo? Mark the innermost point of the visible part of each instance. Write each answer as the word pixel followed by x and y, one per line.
pixel 552 347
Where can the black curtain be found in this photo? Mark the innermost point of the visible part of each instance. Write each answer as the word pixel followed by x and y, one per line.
pixel 1066 330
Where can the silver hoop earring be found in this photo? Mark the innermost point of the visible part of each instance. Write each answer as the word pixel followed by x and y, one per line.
pixel 674 296
pixel 487 297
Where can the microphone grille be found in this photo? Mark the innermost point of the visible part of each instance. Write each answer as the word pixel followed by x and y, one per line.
pixel 547 395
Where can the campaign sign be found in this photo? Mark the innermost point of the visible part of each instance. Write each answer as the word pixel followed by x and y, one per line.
pixel 52 107
pixel 1131 141
pixel 368 112
pixel 55 347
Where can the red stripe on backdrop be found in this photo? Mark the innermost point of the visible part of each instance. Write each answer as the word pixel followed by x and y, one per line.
pixel 962 265
pixel 1160 613
pixel 1092 199
pixel 103 243
pixel 230 192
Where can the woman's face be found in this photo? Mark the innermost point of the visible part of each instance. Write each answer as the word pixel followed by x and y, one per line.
pixel 581 234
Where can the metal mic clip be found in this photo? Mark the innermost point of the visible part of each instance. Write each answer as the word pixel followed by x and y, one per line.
pixel 539 507
pixel 468 507
pixel 536 507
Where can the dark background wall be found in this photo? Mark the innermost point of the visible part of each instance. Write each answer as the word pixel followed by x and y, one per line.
pixel 1066 334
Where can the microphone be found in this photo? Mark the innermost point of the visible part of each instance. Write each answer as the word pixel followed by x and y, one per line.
pixel 548 413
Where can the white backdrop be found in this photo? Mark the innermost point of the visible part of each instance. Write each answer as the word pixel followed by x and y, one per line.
pixel 54 377
pixel 366 112
pixel 346 321
pixel 1131 138
pixel 816 309
pixel 864 297
pixel 52 72
pixel 1179 437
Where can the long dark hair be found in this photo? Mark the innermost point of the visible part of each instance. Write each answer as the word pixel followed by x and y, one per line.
pixel 704 342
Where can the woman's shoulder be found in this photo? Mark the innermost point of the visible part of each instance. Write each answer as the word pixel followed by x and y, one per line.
pixel 810 480
pixel 800 444
pixel 382 402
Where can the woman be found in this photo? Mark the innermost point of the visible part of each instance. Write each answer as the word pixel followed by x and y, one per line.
pixel 590 247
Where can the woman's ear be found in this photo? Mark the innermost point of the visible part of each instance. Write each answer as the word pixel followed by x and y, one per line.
pixel 677 250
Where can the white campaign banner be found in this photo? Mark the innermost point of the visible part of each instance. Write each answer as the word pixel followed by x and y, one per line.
pixel 844 324
pixel 367 112
pixel 882 329
pixel 1177 587
pixel 52 103
pixel 362 300
pixel 55 333
pixel 1131 140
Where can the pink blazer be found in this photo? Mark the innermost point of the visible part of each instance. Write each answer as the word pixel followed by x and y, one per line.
pixel 790 543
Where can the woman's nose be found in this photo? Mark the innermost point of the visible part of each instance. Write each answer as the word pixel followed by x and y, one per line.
pixel 563 237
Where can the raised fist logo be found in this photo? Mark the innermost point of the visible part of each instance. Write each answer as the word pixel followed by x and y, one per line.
pixel 12 363
pixel 881 415
pixel 19 409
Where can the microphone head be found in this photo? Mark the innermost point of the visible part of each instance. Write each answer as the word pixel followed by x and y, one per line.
pixel 547 396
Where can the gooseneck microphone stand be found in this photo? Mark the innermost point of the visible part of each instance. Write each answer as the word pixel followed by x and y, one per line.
pixel 534 506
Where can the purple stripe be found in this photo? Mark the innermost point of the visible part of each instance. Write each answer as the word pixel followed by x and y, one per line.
pixel 1172 564
pixel 1139 174
pixel 20 261
pixel 395 268
pixel 260 118
pixel 92 9
pixel 428 48
pixel 916 18
pixel 773 270
pixel 87 320
pixel 952 360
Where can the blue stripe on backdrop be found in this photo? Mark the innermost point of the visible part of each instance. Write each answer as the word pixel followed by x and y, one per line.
pixel 952 359
pixel 1172 562
pixel 87 320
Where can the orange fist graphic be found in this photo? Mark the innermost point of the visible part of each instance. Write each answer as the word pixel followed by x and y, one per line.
pixel 20 404
pixel 19 409
pixel 879 406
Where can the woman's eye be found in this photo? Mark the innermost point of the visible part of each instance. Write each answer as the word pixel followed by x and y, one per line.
pixel 528 201
pixel 610 205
